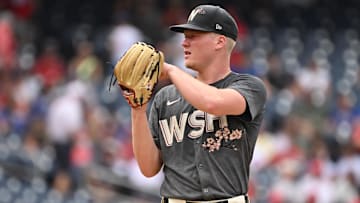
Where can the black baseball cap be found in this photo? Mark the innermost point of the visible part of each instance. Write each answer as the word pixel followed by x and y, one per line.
pixel 209 18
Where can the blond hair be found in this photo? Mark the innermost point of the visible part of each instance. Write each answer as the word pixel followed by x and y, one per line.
pixel 230 44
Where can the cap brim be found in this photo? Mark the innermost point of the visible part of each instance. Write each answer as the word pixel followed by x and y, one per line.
pixel 182 27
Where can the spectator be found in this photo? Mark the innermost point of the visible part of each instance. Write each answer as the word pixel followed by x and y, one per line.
pixel 65 118
pixel 50 66
pixel 121 37
pixel 8 41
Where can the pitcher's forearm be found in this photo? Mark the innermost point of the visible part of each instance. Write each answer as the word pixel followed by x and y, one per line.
pixel 145 150
pixel 206 97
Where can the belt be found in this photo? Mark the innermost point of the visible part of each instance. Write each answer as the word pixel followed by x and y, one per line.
pixel 237 199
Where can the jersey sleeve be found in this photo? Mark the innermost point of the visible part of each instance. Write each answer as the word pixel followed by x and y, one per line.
pixel 254 92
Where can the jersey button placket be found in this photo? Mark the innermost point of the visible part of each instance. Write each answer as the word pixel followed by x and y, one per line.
pixel 201 166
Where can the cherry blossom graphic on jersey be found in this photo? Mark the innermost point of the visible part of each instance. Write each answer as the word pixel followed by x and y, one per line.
pixel 224 137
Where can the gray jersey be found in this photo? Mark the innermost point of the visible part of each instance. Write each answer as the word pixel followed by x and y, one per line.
pixel 205 156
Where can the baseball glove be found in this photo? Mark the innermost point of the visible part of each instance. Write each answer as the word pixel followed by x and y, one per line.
pixel 137 73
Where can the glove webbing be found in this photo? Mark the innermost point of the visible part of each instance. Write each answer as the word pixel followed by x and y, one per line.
pixel 113 80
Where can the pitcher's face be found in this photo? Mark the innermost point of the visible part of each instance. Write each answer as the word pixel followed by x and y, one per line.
pixel 198 48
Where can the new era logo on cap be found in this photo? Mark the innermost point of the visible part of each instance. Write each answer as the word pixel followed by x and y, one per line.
pixel 209 18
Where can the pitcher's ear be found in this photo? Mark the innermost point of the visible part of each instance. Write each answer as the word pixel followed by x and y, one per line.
pixel 220 41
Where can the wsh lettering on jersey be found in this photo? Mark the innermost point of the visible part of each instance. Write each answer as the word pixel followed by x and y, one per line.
pixel 200 121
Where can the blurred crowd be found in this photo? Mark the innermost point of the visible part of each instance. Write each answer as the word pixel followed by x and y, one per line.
pixel 65 133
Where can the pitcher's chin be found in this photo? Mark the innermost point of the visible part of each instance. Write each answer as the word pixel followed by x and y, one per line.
pixel 188 63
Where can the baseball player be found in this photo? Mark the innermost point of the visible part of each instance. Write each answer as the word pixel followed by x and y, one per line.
pixel 201 131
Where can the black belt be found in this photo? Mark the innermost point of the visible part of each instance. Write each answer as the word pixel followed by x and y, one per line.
pixel 166 200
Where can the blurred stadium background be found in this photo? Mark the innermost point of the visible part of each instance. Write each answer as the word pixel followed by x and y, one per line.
pixel 65 138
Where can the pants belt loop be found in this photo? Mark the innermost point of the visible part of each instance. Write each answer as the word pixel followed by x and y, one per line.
pixel 164 200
